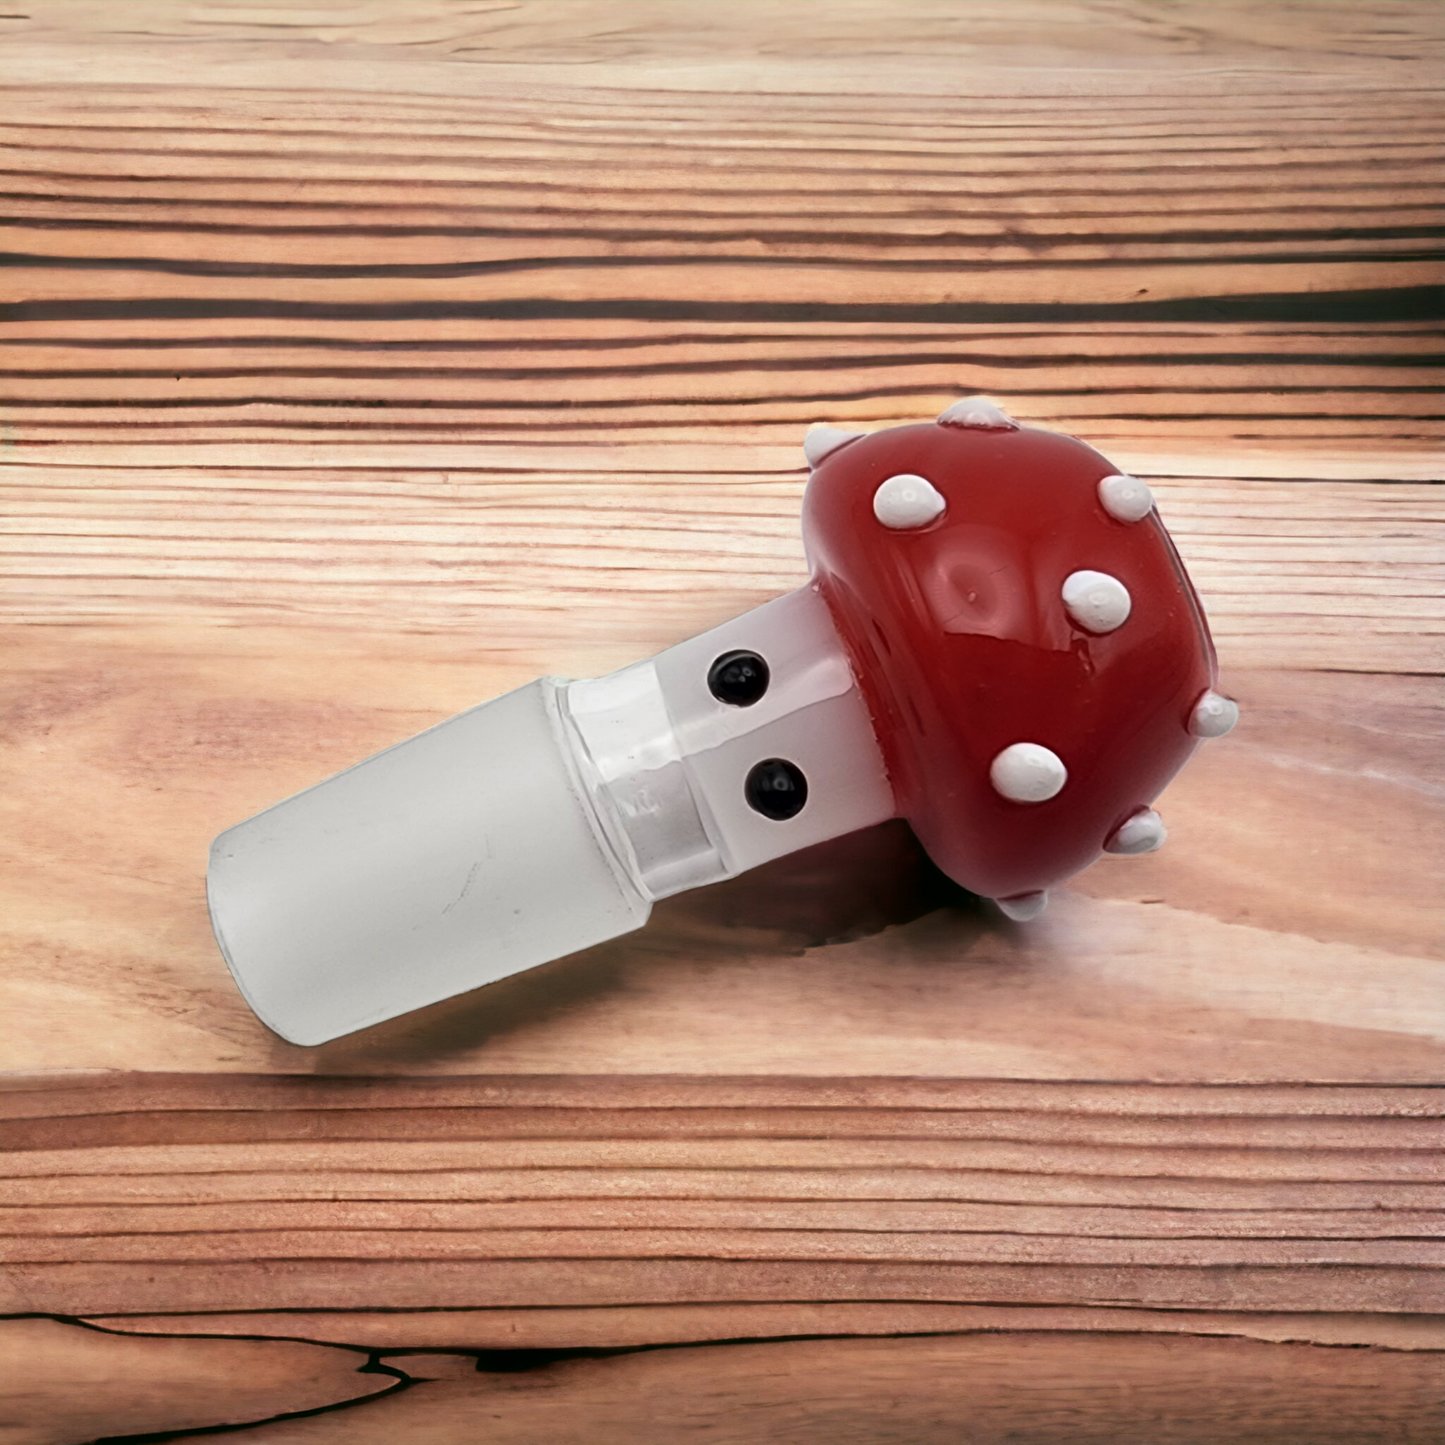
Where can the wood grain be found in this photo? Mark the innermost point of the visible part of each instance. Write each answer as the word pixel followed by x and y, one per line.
pixel 1305 572
pixel 338 361
pixel 170 1194
pixel 363 360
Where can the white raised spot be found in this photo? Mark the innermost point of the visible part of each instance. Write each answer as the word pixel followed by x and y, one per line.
pixel 1023 907
pixel 1213 716
pixel 822 440
pixel 1142 833
pixel 978 411
pixel 1028 773
pixel 1125 498
pixel 907 501
pixel 1096 601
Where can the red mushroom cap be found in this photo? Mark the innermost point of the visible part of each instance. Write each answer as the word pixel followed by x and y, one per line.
pixel 968 643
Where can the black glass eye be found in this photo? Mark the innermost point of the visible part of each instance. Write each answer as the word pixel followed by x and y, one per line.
pixel 738 678
pixel 777 789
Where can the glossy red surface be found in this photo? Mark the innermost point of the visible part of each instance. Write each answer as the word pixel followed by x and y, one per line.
pixel 963 646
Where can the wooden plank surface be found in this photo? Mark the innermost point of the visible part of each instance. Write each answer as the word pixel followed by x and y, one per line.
pixel 364 360
pixel 172 1193
pixel 1022 1385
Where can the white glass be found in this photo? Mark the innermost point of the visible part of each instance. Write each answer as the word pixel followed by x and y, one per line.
pixel 537 825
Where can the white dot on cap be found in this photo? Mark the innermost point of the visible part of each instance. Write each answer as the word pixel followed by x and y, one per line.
pixel 980 412
pixel 823 441
pixel 1028 773
pixel 907 501
pixel 1023 906
pixel 1126 499
pixel 1142 833
pixel 1096 601
pixel 1213 716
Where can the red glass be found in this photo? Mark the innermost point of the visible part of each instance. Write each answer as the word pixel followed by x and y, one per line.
pixel 963 646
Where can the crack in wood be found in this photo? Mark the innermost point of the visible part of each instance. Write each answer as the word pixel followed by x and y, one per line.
pixel 501 1366
pixel 372 1363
